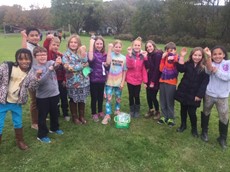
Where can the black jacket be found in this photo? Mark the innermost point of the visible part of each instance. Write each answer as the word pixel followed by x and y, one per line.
pixel 193 83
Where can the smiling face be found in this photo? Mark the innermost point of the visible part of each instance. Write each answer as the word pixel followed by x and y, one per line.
pixel 149 47
pixel 218 55
pixel 137 46
pixel 73 44
pixel 98 45
pixel 197 56
pixel 117 48
pixel 24 62
pixel 54 46
pixel 41 58
pixel 33 37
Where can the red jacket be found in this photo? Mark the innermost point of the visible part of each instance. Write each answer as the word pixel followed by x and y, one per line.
pixel 136 73
pixel 52 56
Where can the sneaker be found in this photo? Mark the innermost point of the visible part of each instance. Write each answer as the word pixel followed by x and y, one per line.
pixel 106 119
pixel 101 115
pixel 95 118
pixel 34 126
pixel 67 118
pixel 59 132
pixel 44 139
pixel 162 120
pixel 170 122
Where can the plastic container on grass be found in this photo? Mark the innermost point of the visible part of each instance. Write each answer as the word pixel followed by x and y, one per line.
pixel 122 120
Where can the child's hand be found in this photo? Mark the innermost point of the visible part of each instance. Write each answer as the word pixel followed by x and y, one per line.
pixel 23 33
pixel 38 73
pixel 165 54
pixel 82 51
pixel 66 65
pixel 170 57
pixel 144 53
pixel 151 85
pixel 85 64
pixel 51 67
pixel 197 99
pixel 50 36
pixel 207 52
pixel 110 46
pixel 129 49
pixel 183 52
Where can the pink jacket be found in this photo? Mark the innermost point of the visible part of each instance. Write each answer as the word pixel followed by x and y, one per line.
pixel 136 73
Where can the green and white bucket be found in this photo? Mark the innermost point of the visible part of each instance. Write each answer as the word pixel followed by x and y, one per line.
pixel 122 120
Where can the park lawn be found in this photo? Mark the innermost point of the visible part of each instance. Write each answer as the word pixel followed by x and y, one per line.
pixel 145 146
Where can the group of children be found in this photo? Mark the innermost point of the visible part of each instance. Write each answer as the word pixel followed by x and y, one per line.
pixel 50 75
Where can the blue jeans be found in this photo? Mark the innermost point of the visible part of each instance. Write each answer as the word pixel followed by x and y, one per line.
pixel 16 110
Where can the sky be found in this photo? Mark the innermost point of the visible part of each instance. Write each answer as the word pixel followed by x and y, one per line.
pixel 26 3
pixel 41 3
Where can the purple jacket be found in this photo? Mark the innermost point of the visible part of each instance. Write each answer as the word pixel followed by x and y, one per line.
pixel 96 75
pixel 152 67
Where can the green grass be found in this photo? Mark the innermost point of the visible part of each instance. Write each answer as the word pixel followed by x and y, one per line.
pixel 145 146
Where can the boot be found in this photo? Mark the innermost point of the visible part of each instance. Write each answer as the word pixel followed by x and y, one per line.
pixel 131 111
pixel 136 111
pixel 73 109
pixel 0 138
pixel 193 120
pixel 223 130
pixel 183 123
pixel 204 126
pixel 81 110
pixel 19 139
pixel 150 113
pixel 157 115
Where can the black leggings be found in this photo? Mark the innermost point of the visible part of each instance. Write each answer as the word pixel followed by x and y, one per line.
pixel 151 95
pixel 134 94
pixel 97 93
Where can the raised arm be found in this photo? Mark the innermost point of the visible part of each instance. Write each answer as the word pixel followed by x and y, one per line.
pixel 24 39
pixel 108 59
pixel 91 44
pixel 183 52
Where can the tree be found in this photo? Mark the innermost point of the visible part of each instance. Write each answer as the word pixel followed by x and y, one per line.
pixel 73 12
pixel 149 19
pixel 117 15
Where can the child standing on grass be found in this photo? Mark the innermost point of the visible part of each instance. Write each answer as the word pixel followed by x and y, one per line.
pixel 136 74
pixel 52 45
pixel 97 59
pixel 47 94
pixel 168 82
pixel 15 80
pixel 76 83
pixel 192 87
pixel 217 93
pixel 152 65
pixel 116 78
pixel 30 39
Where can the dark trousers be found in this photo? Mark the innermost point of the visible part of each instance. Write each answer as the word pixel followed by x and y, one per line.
pixel 151 95
pixel 134 94
pixel 45 106
pixel 191 111
pixel 97 93
pixel 63 98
